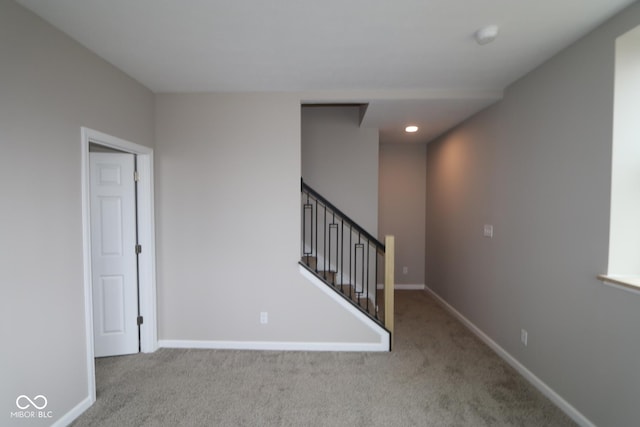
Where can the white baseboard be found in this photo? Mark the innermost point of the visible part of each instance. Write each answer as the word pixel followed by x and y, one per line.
pixel 274 345
pixel 406 286
pixel 74 413
pixel 565 406
pixel 409 287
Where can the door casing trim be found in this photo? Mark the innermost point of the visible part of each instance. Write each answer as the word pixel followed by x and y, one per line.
pixel 146 238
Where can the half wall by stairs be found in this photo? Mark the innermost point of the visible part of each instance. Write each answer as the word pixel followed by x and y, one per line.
pixel 347 259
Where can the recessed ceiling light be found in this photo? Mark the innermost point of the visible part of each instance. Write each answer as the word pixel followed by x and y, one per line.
pixel 486 34
pixel 411 129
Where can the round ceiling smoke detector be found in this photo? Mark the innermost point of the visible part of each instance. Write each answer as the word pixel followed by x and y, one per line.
pixel 486 34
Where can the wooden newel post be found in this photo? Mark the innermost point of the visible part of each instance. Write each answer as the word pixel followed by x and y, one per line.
pixel 389 283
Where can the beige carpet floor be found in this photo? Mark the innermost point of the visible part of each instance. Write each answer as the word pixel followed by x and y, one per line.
pixel 439 374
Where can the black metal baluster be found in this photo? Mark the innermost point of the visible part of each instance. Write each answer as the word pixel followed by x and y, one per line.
pixel 311 225
pixel 360 246
pixel 352 283
pixel 333 227
pixel 307 209
pixel 375 294
pixel 324 243
pixel 342 255
pixel 355 269
pixel 362 274
pixel 367 295
pixel 316 252
pixel 304 228
pixel 329 251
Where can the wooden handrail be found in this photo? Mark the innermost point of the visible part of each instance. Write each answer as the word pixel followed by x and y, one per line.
pixel 389 283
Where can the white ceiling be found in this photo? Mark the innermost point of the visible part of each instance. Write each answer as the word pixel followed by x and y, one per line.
pixel 411 60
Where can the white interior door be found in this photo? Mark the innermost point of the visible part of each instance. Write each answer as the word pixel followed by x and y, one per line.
pixel 113 254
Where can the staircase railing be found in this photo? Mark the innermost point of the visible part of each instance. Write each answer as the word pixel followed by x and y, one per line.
pixel 347 257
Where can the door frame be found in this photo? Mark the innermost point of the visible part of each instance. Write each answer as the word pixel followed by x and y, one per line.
pixel 146 238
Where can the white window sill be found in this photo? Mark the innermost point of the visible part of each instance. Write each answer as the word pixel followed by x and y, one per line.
pixel 628 282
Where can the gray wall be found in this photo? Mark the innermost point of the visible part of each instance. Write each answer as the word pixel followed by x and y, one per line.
pixel 402 203
pixel 228 224
pixel 50 86
pixel 537 166
pixel 340 161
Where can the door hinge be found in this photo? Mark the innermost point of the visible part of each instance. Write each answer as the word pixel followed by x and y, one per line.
pixel 136 176
pixel 140 320
pixel 138 249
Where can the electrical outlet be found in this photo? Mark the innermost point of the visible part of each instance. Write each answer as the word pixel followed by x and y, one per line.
pixel 405 270
pixel 264 317
pixel 524 337
pixel 488 231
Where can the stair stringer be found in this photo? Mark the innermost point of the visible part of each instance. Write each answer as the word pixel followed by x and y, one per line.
pixel 384 343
